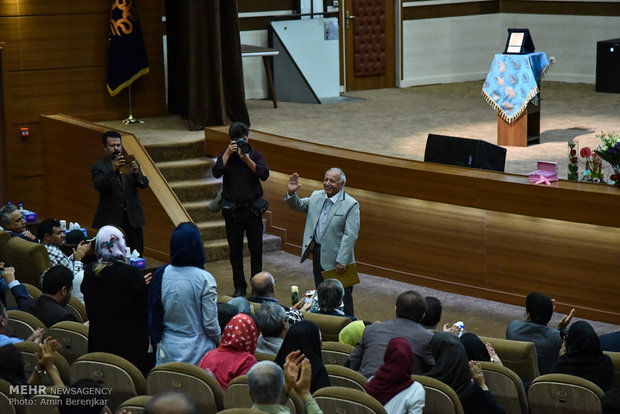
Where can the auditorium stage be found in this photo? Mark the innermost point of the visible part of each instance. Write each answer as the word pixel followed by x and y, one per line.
pixel 395 122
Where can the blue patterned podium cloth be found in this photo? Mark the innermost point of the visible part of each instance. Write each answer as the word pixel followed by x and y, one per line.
pixel 511 82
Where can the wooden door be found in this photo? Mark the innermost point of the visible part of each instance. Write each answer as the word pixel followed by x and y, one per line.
pixel 368 46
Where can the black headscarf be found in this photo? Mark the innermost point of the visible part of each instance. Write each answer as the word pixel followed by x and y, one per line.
pixel 584 357
pixel 305 336
pixel 186 249
pixel 186 246
pixel 474 347
pixel 451 365
pixel 12 365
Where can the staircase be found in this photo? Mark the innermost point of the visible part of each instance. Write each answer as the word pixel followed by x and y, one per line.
pixel 188 173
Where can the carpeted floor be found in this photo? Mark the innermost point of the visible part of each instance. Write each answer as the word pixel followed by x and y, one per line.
pixel 395 122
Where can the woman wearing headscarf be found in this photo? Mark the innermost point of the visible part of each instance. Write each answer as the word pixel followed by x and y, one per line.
pixel 115 295
pixel 477 350
pixel 183 302
pixel 452 368
pixel 305 336
pixel 584 357
pixel 235 354
pixel 392 385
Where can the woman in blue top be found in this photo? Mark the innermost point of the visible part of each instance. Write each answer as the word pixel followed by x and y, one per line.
pixel 183 302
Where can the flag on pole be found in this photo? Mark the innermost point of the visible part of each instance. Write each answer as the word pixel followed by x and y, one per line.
pixel 127 59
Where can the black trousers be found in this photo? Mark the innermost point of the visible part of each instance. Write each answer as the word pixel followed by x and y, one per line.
pixel 135 238
pixel 318 278
pixel 237 223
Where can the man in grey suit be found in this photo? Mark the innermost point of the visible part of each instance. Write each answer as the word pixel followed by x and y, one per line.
pixel 368 354
pixel 332 226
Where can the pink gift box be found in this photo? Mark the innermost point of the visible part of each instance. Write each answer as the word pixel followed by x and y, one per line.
pixel 547 172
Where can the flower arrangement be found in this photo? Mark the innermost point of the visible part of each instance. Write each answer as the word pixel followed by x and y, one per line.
pixel 593 165
pixel 609 151
pixel 573 167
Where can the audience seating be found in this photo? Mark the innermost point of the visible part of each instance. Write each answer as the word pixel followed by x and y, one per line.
pixel 187 378
pixel 564 394
pixel 518 356
pixel 347 400
pixel 237 395
pixel 241 411
pixel 4 251
pixel 329 325
pixel 33 291
pixel 506 387
pixel 73 336
pixel 111 371
pixel 134 405
pixel 22 324
pixel 440 398
pixel 226 299
pixel 5 398
pixel 335 353
pixel 29 352
pixel 78 309
pixel 261 356
pixel 42 404
pixel 346 377
pixel 615 358
pixel 29 259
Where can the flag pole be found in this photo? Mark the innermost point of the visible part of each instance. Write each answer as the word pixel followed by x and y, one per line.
pixel 130 119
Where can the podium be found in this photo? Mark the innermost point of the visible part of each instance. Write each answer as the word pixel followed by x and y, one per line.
pixel 512 88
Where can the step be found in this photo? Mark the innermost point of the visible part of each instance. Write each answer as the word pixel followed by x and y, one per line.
pixel 212 229
pixel 196 190
pixel 177 151
pixel 218 249
pixel 199 211
pixel 191 169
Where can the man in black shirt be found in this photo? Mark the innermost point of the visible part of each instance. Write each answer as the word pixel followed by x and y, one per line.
pixel 243 168
pixel 56 285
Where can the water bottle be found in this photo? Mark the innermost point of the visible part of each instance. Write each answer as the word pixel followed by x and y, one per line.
pixel 294 294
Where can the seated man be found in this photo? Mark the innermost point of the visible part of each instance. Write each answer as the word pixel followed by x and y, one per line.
pixel 57 284
pixel 264 288
pixel 330 296
pixel 368 354
pixel 268 384
pixel 548 341
pixel 8 282
pixel 271 321
pixel 170 402
pixel 53 237
pixel 433 313
pixel 12 220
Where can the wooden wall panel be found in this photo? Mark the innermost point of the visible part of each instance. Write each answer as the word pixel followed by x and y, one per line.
pixel 46 7
pixel 473 232
pixel 69 193
pixel 81 92
pixel 26 153
pixel 64 41
pixel 56 61
pixel 28 191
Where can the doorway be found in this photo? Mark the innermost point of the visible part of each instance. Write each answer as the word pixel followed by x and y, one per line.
pixel 368 45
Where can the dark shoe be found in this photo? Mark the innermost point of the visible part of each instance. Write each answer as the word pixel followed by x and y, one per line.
pixel 238 292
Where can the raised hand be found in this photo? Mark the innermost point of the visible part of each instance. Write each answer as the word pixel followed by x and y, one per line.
pixel 293 183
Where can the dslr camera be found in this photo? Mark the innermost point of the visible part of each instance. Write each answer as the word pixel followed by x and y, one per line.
pixel 243 145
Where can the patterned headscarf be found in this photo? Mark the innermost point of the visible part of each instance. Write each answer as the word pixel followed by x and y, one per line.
pixel 240 334
pixel 110 245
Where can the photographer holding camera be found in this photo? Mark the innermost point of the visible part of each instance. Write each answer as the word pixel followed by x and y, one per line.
pixel 242 201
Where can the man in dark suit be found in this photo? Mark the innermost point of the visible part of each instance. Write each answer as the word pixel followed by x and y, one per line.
pixel 368 354
pixel 119 202
pixel 56 285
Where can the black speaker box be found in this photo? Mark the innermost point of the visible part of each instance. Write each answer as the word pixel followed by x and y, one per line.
pixel 464 152
pixel 607 64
